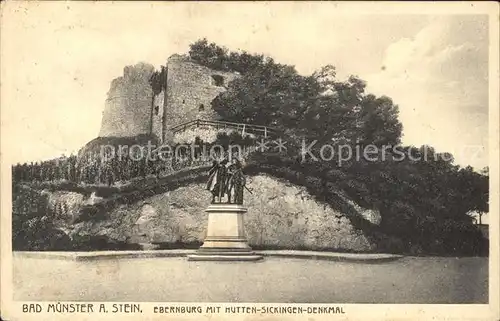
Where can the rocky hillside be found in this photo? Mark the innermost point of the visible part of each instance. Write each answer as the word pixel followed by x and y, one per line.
pixel 280 215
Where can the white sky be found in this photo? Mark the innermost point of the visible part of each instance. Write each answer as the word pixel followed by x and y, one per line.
pixel 58 60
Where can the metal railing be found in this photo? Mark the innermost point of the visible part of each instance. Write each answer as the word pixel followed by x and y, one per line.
pixel 257 130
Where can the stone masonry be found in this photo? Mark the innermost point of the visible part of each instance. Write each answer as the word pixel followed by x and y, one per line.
pixel 127 110
pixel 190 90
pixel 132 109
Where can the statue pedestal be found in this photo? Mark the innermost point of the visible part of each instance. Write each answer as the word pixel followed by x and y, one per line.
pixel 225 240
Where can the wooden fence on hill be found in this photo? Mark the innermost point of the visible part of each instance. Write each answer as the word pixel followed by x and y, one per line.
pixel 256 130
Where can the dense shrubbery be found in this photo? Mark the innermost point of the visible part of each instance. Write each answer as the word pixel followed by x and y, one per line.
pixel 416 218
pixel 32 225
pixel 219 58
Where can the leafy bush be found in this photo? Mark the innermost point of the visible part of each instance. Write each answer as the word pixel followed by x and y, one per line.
pixel 32 227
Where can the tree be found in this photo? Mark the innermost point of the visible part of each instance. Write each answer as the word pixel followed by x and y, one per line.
pixel 271 94
pixel 474 191
pixel 326 77
pixel 210 55
pixel 346 114
pixel 158 80
pixel 380 123
pixel 217 57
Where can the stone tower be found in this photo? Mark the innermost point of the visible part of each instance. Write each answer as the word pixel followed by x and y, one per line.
pixel 133 109
pixel 189 92
pixel 127 110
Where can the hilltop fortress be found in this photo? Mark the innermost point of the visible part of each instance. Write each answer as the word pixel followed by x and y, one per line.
pixel 185 93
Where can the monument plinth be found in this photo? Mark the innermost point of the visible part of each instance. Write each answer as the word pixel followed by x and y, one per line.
pixel 225 239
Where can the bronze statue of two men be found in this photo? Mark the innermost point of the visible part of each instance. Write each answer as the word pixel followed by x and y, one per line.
pixel 226 179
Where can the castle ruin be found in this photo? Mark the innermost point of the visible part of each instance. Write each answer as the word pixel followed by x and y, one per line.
pixel 187 90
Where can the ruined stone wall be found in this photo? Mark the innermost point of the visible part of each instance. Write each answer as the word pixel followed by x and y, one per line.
pixel 190 91
pixel 128 106
pixel 131 109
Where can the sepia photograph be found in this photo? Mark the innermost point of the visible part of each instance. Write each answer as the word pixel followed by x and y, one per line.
pixel 260 160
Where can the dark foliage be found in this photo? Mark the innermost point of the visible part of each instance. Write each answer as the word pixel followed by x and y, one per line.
pixel 32 227
pixel 417 218
pixel 158 80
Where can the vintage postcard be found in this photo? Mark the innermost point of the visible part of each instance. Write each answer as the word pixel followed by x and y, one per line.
pixel 249 160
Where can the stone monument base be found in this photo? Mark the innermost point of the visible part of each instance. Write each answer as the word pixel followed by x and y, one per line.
pixel 225 240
